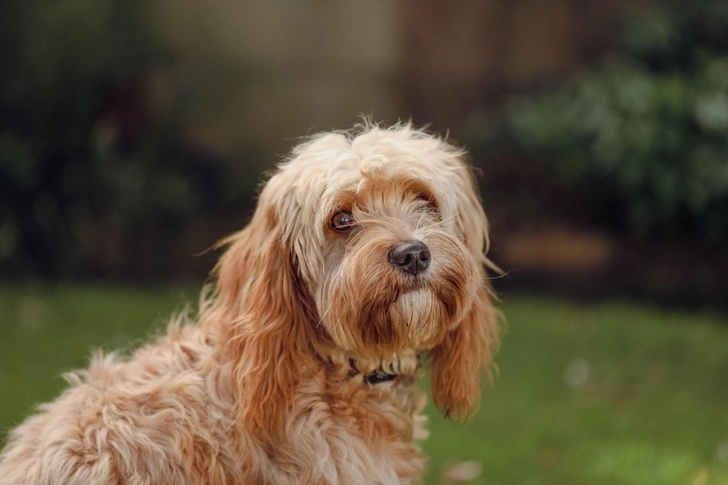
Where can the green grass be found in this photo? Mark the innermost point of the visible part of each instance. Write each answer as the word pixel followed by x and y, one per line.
pixel 647 403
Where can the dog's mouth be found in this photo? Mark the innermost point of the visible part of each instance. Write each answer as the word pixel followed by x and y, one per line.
pixel 416 318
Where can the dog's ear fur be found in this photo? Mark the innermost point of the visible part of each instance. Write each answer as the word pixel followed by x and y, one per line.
pixel 459 360
pixel 265 324
pixel 466 351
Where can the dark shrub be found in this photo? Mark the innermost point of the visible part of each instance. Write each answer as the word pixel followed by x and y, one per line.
pixel 90 177
pixel 643 136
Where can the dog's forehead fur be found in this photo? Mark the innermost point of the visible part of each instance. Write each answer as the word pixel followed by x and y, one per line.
pixel 332 168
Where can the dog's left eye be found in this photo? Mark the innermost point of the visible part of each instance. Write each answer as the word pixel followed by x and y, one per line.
pixel 342 221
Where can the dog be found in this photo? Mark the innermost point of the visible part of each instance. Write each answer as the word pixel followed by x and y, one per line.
pixel 364 262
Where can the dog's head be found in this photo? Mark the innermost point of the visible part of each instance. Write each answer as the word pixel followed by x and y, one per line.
pixel 374 241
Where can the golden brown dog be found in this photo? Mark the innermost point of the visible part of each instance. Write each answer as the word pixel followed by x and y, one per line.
pixel 365 258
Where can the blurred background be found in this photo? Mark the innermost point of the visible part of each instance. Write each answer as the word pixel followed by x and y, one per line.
pixel 133 135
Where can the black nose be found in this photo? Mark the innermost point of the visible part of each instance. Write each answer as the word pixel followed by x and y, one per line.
pixel 411 257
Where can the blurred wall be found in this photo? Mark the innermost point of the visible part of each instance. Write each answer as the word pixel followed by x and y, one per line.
pixel 263 73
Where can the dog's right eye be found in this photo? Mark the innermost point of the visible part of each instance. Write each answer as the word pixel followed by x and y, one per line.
pixel 342 221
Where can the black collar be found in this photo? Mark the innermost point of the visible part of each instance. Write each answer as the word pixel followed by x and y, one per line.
pixel 375 377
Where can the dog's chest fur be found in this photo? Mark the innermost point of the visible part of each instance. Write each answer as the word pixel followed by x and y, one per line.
pixel 164 416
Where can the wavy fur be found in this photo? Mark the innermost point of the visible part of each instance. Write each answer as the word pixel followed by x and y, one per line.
pixel 270 383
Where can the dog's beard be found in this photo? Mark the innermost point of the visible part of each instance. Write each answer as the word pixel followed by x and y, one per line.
pixel 370 306
pixel 419 315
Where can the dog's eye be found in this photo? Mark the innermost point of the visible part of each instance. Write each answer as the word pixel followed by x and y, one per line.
pixel 342 221
pixel 428 201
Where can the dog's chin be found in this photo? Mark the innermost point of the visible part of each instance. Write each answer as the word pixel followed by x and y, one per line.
pixel 417 319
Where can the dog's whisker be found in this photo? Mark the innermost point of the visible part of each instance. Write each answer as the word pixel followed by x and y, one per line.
pixel 497 277
pixel 396 308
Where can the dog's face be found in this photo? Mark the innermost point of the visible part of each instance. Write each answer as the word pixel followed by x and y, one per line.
pixel 375 242
pixel 387 234
pixel 396 272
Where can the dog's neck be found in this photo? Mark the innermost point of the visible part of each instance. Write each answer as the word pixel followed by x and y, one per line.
pixel 372 369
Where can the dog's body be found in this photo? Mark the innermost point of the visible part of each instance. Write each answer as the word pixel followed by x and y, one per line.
pixel 365 253
pixel 166 417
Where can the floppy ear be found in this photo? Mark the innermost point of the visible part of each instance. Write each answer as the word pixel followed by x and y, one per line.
pixel 264 323
pixel 466 351
pixel 457 362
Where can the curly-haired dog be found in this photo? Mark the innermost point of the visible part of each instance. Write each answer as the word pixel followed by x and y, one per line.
pixel 366 254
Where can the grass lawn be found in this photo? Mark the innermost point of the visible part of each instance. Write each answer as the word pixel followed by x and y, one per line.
pixel 608 394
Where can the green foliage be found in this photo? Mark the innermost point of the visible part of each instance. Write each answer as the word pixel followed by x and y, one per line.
pixel 644 135
pixel 648 406
pixel 86 166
